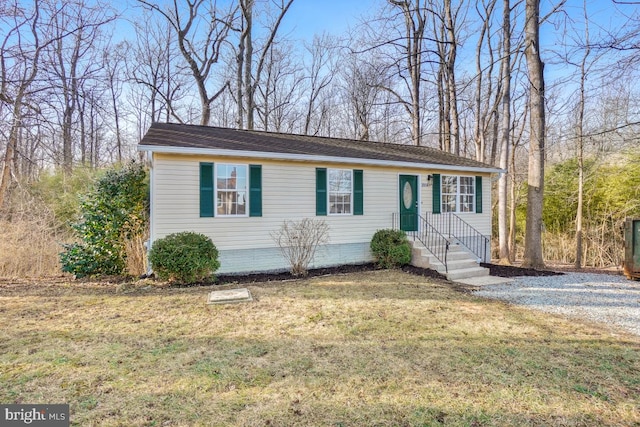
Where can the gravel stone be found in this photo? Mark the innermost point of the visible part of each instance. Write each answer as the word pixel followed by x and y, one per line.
pixel 613 300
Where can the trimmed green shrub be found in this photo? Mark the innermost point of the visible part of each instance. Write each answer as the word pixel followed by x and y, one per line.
pixel 391 248
pixel 184 257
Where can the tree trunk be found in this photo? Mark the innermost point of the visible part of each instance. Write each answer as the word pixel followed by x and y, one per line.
pixel 535 181
pixel 512 211
pixel 239 74
pixel 247 11
pixel 452 91
pixel 5 179
pixel 580 147
pixel 414 20
pixel 505 134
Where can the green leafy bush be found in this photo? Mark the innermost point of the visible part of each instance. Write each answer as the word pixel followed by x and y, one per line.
pixel 61 192
pixel 185 257
pixel 114 211
pixel 391 248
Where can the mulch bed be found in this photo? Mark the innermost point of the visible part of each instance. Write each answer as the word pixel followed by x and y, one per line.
pixel 223 279
pixel 496 270
pixel 513 271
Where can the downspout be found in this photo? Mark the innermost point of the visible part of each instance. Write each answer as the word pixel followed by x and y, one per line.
pixel 152 193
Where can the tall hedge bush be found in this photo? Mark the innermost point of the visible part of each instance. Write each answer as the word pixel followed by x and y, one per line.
pixel 113 211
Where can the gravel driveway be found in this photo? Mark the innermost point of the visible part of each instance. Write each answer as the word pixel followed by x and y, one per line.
pixel 597 297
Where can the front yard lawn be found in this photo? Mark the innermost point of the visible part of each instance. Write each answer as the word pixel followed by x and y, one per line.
pixel 381 348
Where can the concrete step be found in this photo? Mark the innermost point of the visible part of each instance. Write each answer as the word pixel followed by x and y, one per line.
pixel 420 257
pixel 461 264
pixel 452 255
pixel 466 273
pixel 457 255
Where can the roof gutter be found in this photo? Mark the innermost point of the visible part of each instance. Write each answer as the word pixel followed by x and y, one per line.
pixel 310 158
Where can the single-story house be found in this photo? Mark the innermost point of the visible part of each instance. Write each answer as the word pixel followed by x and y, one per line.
pixel 239 186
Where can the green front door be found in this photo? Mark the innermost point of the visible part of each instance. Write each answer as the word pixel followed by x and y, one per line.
pixel 408 186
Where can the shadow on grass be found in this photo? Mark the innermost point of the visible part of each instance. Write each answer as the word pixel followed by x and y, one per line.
pixel 292 376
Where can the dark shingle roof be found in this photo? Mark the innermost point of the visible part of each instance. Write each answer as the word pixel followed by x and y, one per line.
pixel 161 135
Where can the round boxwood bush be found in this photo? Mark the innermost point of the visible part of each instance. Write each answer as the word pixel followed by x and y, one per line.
pixel 391 248
pixel 185 257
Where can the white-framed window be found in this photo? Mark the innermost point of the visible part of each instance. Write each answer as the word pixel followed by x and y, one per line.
pixel 231 189
pixel 458 193
pixel 340 191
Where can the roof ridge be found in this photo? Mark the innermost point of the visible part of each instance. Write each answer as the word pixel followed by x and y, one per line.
pixel 217 137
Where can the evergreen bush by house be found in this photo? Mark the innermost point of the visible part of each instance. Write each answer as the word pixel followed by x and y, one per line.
pixel 114 211
pixel 391 248
pixel 184 257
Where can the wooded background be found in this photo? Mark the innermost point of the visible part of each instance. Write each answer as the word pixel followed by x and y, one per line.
pixel 547 91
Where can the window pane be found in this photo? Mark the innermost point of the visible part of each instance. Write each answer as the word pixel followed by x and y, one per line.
pixel 466 203
pixel 241 203
pixel 467 185
pixel 458 193
pixel 449 193
pixel 449 184
pixel 340 185
pixel 231 182
pixel 449 203
pixel 467 193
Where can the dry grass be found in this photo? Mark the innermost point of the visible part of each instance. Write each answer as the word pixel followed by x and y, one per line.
pixel 136 253
pixel 30 242
pixel 28 248
pixel 374 349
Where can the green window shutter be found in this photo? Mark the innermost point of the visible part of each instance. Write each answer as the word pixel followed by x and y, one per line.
pixel 436 193
pixel 358 194
pixel 321 191
pixel 255 190
pixel 206 190
pixel 478 194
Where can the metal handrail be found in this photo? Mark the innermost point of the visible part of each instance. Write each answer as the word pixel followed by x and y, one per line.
pixel 434 241
pixel 452 225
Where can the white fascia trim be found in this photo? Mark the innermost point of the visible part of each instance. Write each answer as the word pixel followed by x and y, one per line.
pixel 309 158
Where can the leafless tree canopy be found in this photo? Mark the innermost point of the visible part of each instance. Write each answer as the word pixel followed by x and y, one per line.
pixel 81 81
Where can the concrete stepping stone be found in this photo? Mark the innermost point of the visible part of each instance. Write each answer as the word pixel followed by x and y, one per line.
pixel 229 296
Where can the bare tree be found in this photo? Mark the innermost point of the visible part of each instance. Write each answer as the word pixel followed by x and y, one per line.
pixel 449 52
pixel 299 241
pixel 248 78
pixel 113 65
pixel 516 179
pixel 320 73
pixel 278 96
pixel 535 181
pixel 30 32
pixel 415 20
pixel 362 80
pixel 201 32
pixel 153 65
pixel 73 60
pixel 484 87
pixel 20 65
pixel 505 133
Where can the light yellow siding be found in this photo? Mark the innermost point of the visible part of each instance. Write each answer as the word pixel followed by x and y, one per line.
pixel 481 222
pixel 288 193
